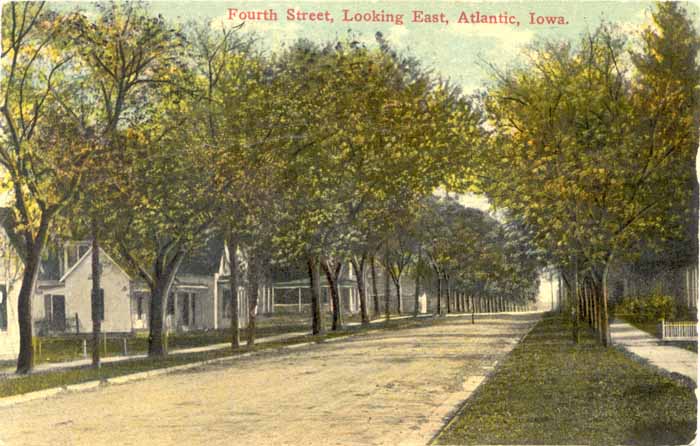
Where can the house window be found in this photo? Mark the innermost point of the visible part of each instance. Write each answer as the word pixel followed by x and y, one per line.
pixel 101 304
pixel 139 307
pixel 185 303
pixel 171 304
pixel 226 304
pixel 82 249
pixel 3 308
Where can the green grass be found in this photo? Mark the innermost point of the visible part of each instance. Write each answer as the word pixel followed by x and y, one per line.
pixel 550 391
pixel 39 381
pixel 650 327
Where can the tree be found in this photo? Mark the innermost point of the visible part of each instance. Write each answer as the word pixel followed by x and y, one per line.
pixel 125 54
pixel 568 132
pixel 352 165
pixel 166 188
pixel 241 128
pixel 42 151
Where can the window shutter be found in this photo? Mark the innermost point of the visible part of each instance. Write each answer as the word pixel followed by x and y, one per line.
pixel 3 308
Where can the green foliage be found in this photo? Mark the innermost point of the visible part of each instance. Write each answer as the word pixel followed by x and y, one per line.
pixel 652 308
pixel 477 253
pixel 590 154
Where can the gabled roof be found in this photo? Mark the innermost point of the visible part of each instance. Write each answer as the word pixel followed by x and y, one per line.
pixel 205 260
pixel 87 255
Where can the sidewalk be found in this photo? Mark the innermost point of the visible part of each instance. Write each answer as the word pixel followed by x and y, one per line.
pixel 644 345
pixel 9 372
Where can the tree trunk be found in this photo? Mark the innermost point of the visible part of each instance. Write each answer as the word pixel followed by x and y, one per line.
pixel 598 316
pixel 232 247
pixel 416 294
pixel 158 304
pixel 448 292
pixel 253 289
pixel 387 287
pixel 359 268
pixel 33 250
pixel 439 293
pixel 592 307
pixel 605 323
pixel 160 292
pixel 575 306
pixel 397 284
pixel 316 304
pixel 589 304
pixel 95 297
pixel 375 290
pixel 332 274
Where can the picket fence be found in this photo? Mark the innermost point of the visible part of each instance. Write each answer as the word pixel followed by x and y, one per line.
pixel 679 331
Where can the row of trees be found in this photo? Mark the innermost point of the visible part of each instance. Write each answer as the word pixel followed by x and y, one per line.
pixel 463 254
pixel 149 138
pixel 593 149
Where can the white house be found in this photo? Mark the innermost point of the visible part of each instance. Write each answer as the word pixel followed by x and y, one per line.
pixel 200 298
pixel 62 299
pixel 11 268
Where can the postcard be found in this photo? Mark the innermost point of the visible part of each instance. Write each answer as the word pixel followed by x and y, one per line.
pixel 349 222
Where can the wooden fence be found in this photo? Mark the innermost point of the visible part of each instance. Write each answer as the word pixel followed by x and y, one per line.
pixel 679 331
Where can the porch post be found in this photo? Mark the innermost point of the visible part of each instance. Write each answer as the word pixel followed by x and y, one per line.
pixel 272 310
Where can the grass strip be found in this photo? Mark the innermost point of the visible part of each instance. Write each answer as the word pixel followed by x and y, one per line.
pixel 550 391
pixel 56 349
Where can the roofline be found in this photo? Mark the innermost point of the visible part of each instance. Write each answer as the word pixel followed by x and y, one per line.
pixel 89 252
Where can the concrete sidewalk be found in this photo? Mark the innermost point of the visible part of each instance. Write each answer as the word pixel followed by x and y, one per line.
pixel 664 356
pixel 9 372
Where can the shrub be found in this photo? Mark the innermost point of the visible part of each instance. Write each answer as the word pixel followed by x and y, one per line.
pixel 648 309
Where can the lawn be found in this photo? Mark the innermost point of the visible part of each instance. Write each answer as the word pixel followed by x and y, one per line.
pixel 550 391
pixel 22 384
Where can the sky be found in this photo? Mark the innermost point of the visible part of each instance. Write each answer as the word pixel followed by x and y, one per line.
pixel 458 51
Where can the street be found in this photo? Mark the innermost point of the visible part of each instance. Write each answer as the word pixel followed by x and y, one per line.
pixel 389 387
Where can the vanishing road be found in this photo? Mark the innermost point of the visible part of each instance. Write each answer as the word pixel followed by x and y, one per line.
pixel 390 387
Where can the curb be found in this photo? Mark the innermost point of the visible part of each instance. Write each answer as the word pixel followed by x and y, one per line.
pixel 25 397
pixel 123 379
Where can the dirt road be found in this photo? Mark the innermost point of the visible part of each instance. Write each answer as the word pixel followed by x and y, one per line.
pixel 391 387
